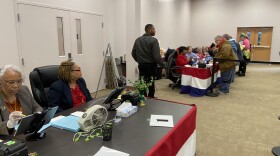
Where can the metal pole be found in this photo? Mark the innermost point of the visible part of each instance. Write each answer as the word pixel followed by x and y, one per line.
pixel 102 69
pixel 211 93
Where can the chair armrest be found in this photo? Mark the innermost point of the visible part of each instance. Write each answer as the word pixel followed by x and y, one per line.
pixel 174 74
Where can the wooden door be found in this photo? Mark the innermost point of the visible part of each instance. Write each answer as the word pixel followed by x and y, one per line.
pixel 260 39
pixel 246 30
pixel 261 44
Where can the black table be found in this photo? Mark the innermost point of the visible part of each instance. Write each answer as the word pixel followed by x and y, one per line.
pixel 133 135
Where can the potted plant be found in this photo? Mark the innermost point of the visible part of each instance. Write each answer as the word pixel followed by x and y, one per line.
pixel 142 87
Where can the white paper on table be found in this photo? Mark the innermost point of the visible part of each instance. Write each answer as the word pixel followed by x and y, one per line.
pixel 78 114
pixel 162 120
pixel 105 151
pixel 49 124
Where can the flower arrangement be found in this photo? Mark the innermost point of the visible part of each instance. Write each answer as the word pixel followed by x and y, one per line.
pixel 142 87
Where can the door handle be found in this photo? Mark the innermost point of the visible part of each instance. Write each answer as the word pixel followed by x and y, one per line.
pixel 261 46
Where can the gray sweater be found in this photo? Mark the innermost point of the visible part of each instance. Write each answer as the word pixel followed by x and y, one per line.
pixel 28 105
pixel 146 50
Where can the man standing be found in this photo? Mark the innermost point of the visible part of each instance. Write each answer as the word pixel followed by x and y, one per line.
pixel 146 53
pixel 237 50
pixel 225 51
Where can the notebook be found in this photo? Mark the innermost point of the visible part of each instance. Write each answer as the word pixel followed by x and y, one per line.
pixel 69 123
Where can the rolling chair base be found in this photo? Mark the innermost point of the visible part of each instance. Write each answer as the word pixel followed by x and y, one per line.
pixel 276 150
pixel 174 85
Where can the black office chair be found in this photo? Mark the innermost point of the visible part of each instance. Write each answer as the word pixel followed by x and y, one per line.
pixel 171 70
pixel 41 79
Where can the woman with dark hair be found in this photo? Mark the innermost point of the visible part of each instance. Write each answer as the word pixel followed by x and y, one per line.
pixel 181 59
pixel 70 90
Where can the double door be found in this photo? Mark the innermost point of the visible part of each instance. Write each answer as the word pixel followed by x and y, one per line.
pixel 260 40
pixel 49 36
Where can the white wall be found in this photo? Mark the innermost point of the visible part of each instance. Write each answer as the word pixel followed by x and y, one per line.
pixel 115 26
pixel 8 39
pixel 95 6
pixel 133 22
pixel 213 17
pixel 171 19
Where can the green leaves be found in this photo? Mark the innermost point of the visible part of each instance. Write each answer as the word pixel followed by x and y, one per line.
pixel 142 85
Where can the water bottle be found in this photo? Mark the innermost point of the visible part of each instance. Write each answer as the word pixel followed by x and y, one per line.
pixel 118 118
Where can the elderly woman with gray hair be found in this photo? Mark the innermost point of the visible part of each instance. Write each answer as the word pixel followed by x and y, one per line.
pixel 15 99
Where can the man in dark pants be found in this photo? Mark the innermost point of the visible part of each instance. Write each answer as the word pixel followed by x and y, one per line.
pixel 146 53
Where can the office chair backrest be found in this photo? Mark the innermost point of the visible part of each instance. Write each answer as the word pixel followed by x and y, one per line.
pixel 171 62
pixel 41 79
pixel 167 54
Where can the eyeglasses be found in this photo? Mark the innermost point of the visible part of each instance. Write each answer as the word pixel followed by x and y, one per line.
pixel 76 70
pixel 13 82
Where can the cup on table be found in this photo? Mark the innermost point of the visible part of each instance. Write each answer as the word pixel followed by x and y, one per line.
pixel 107 132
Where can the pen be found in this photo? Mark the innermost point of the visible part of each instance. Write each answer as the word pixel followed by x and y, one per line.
pixel 164 120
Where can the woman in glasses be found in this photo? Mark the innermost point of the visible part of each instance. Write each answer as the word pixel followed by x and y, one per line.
pixel 70 90
pixel 15 99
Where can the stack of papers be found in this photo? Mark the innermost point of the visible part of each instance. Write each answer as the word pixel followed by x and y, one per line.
pixel 105 151
pixel 78 114
pixel 49 124
pixel 69 123
pixel 162 120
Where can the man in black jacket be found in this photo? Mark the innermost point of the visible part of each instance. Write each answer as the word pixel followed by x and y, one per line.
pixel 146 53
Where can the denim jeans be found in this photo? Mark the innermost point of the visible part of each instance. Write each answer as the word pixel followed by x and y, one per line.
pixel 226 80
pixel 233 74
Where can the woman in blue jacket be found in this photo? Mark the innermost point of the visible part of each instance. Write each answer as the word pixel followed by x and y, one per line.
pixel 70 90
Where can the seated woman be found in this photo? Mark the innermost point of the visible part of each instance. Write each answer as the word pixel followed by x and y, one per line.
pixel 199 54
pixel 204 49
pixel 181 59
pixel 192 57
pixel 70 90
pixel 208 58
pixel 15 99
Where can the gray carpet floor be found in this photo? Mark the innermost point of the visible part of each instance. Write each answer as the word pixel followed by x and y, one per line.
pixel 242 123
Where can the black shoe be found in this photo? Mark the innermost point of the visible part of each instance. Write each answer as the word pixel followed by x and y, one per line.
pixel 241 74
pixel 237 73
